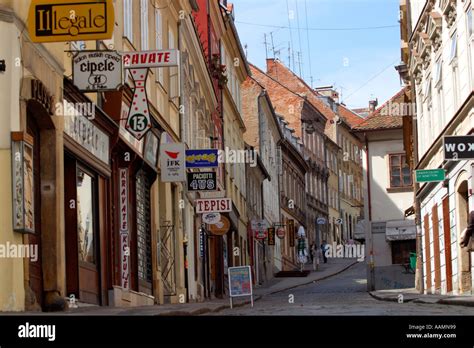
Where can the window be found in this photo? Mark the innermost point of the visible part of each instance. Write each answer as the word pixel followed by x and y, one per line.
pixel 454 48
pixel 400 172
pixel 143 227
pixel 401 251
pixel 174 72
pixel 144 24
pixel 438 72
pixel 159 43
pixel 470 23
pixel 128 19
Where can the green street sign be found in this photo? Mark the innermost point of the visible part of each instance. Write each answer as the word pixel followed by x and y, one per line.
pixel 430 175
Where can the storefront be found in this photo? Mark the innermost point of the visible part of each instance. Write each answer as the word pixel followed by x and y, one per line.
pixel 87 179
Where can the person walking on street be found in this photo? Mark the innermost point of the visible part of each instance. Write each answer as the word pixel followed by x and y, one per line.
pixel 316 253
pixel 323 251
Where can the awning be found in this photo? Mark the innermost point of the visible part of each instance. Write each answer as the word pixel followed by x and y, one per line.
pixel 400 230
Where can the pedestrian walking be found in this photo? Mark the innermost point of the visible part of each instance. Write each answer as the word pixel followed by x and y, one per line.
pixel 316 254
pixel 323 251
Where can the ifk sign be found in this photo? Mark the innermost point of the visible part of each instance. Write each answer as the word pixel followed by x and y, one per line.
pixel 458 147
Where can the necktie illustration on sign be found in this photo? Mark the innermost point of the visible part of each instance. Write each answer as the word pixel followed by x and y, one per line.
pixel 138 122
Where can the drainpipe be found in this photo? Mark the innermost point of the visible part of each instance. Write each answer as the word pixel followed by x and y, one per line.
pixel 368 227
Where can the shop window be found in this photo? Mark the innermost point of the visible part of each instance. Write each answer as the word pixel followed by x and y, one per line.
pixel 143 227
pixel 401 250
pixel 85 217
pixel 400 172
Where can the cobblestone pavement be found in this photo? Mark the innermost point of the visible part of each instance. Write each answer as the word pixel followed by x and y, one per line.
pixel 343 294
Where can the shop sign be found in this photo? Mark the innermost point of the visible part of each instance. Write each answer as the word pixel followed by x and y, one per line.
pixel 258 225
pixel 125 264
pixel 87 135
pixel 202 181
pixel 123 204
pixel 321 221
pixel 211 218
pixel 150 59
pixel 23 183
pixel 70 20
pixel 202 158
pixel 40 94
pixel 271 236
pixel 137 145
pixel 261 234
pixel 280 232
pixel 151 149
pixel 172 162
pixel 138 63
pixel 240 282
pixel 213 205
pixel 95 71
pixel 458 147
pixel 221 227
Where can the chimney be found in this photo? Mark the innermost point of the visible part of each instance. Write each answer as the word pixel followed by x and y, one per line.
pixel 373 105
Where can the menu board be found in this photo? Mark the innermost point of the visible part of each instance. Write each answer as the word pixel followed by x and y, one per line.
pixel 240 281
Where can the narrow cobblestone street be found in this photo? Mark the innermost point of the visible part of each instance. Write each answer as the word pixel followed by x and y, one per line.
pixel 343 294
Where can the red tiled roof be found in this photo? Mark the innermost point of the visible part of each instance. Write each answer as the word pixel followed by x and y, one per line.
pixel 385 120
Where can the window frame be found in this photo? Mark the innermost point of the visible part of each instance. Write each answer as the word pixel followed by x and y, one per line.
pixel 390 166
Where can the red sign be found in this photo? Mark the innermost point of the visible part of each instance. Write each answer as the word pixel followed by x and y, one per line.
pixel 125 253
pixel 261 234
pixel 150 59
pixel 216 205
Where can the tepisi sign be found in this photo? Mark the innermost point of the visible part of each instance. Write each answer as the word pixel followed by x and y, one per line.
pixel 139 122
pixel 458 147
pixel 430 175
pixel 172 162
pixel 70 20
pixel 213 205
pixel 95 71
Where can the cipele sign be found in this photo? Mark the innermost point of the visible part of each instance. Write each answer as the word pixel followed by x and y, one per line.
pixel 150 59
pixel 215 205
pixel 70 20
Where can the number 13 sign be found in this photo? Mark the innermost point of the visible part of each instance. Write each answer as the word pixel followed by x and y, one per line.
pixel 139 122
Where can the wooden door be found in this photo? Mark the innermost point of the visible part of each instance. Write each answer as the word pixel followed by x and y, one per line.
pixel 447 245
pixel 436 249
pixel 35 267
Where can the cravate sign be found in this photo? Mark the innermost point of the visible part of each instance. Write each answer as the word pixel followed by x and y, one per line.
pixel 139 122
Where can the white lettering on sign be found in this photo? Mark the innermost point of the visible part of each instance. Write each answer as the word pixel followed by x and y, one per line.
pixel 218 205
pixel 123 194
pixel 460 147
pixel 150 59
pixel 125 271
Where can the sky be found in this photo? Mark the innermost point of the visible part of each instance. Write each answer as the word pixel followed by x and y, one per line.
pixel 359 63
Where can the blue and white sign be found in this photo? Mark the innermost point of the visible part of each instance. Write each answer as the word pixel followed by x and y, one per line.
pixel 321 221
pixel 202 158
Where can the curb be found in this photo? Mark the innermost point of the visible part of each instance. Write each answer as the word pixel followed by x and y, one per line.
pixel 420 300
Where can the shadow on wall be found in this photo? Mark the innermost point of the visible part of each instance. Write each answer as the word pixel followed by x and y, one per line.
pixel 393 277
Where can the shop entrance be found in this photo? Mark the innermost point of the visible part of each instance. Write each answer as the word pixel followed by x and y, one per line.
pixel 81 227
pixel 35 267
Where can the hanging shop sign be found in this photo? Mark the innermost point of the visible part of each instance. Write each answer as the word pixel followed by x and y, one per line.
pixel 258 225
pixel 280 232
pixel 202 181
pixel 211 218
pixel 221 227
pixel 150 59
pixel 70 20
pixel 261 234
pixel 95 71
pixel 172 162
pixel 458 147
pixel 137 145
pixel 213 205
pixel 23 183
pixel 151 149
pixel 202 158
pixel 291 232
pixel 339 221
pixel 271 236
pixel 88 136
pixel 240 283
pixel 321 221
pixel 138 63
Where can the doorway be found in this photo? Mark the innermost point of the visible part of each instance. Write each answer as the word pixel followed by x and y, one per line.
pixel 82 243
pixel 464 259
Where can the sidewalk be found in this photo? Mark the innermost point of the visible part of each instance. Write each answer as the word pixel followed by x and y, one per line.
pixel 276 285
pixel 412 295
